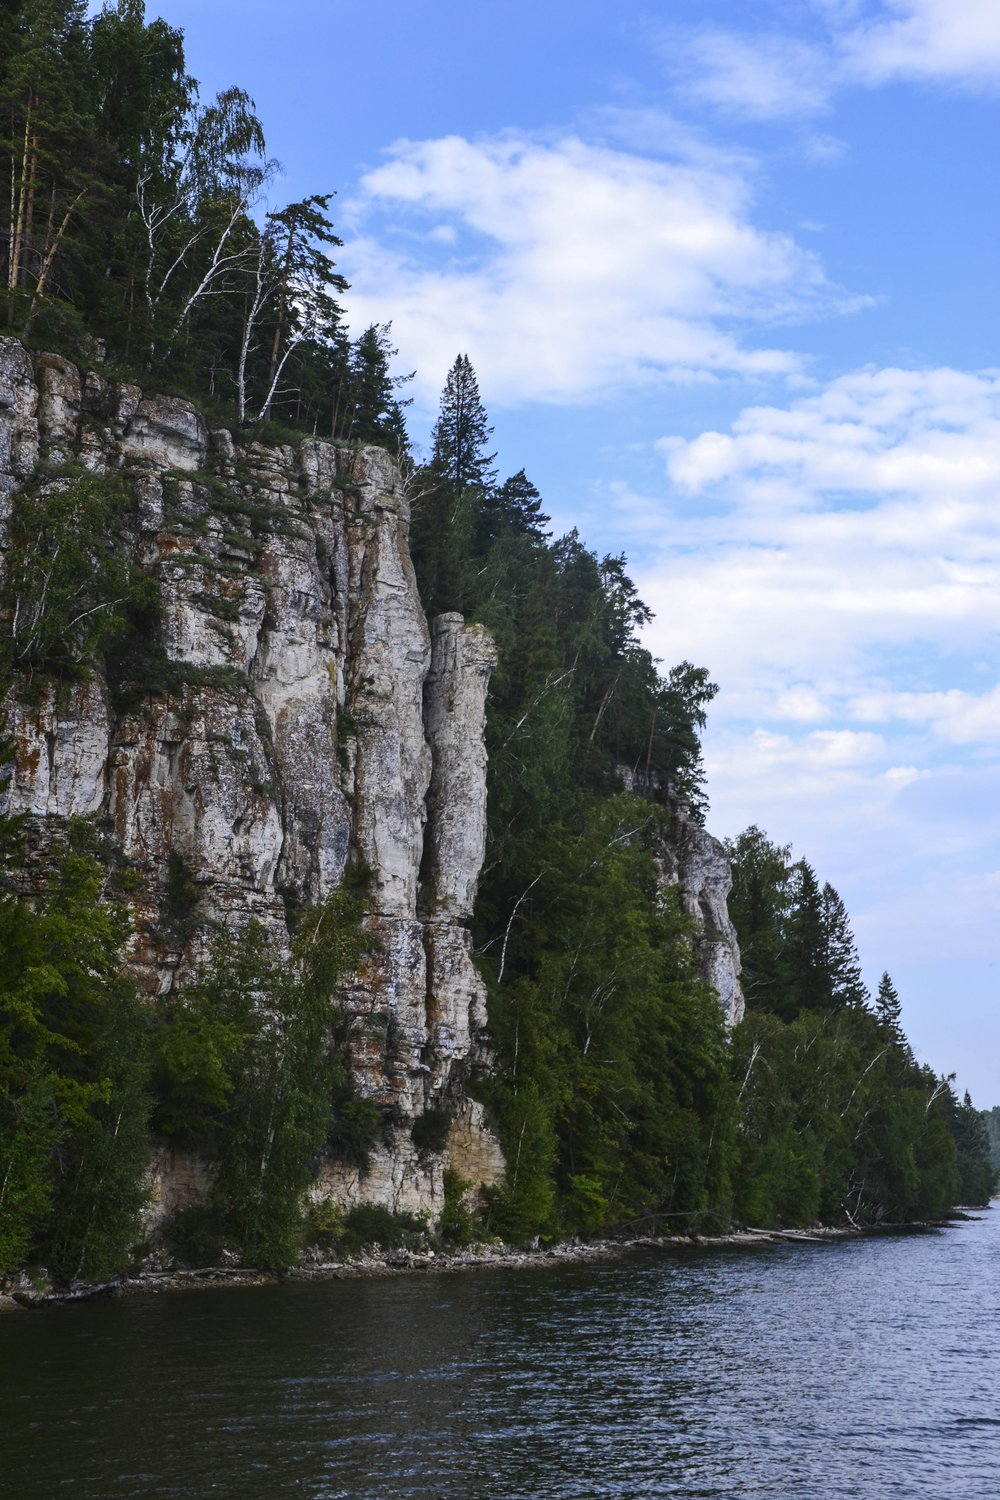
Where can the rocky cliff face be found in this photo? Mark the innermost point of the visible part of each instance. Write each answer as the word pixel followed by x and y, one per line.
pixel 696 862
pixel 689 858
pixel 309 716
pixel 306 716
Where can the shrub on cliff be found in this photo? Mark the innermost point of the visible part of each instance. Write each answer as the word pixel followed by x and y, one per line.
pixel 247 1069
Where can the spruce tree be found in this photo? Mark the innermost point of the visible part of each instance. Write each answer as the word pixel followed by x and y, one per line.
pixel 806 947
pixel 843 967
pixel 462 433
pixel 451 493
pixel 759 907
pixel 513 507
pixel 376 411
pixel 888 1009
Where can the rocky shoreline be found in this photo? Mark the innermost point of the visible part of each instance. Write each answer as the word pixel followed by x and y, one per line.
pixel 482 1257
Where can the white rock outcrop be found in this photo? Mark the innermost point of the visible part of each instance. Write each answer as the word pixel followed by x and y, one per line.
pixel 696 862
pixel 300 719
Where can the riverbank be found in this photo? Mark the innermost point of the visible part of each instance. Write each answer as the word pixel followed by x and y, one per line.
pixel 480 1257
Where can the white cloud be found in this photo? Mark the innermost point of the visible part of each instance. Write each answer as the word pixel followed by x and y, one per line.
pixel 868 436
pixel 768 75
pixel 813 547
pixel 953 715
pixel 762 77
pixel 575 269
pixel 836 564
pixel 957 40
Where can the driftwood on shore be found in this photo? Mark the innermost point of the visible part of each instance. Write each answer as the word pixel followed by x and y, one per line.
pixel 30 1298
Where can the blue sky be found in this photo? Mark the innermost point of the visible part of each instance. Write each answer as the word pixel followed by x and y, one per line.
pixel 727 275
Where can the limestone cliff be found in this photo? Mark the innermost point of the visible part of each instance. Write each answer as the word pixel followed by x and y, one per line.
pixel 308 714
pixel 689 858
pixel 696 862
pixel 305 715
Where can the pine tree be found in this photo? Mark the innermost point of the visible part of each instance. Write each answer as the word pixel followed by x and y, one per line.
pixel 806 947
pixel 515 507
pixel 759 906
pixel 376 411
pixel 843 967
pixel 451 493
pixel 888 1008
pixel 462 433
pixel 49 140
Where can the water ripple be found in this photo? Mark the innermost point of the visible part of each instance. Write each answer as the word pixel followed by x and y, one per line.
pixel 862 1371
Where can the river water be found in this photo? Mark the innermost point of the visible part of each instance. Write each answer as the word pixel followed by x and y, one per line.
pixel 861 1369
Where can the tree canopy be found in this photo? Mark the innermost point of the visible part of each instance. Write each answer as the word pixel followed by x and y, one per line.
pixel 143 218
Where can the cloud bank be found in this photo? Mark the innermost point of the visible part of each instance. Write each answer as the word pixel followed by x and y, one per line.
pixel 816 537
pixel 567 270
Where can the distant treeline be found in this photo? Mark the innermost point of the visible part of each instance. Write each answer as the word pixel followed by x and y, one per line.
pixel 991 1124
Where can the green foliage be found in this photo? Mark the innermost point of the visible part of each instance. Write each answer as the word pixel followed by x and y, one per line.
pixel 430 1131
pixel 368 1224
pixel 324 1224
pixel 796 942
pixel 68 583
pixel 73 1099
pixel 991 1124
pixel 100 1194
pixel 246 1067
pixel 138 214
pixel 30 1130
pixel 181 895
pixel 356 1124
pixel 195 1235
pixel 575 699
pixel 836 1121
pixel 977 1174
pixel 459 1224
pixel 611 1096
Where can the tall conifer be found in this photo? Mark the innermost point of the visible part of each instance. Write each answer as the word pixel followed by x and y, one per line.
pixel 452 492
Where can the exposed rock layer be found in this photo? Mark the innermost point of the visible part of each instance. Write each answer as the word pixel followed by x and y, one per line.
pixel 308 719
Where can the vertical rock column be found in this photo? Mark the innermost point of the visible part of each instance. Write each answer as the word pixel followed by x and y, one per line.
pixel 462 657
pixel 387 660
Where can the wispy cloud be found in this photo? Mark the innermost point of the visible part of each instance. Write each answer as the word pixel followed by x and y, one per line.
pixel 833 562
pixel 760 76
pixel 764 74
pixel 574 269
pixel 856 520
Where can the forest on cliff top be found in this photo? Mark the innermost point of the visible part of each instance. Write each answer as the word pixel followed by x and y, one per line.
pixel 139 233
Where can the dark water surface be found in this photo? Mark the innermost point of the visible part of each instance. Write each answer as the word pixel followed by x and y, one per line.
pixel 865 1369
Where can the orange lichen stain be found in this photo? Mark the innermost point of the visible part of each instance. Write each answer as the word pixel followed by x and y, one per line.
pixel 121 791
pixel 29 758
pixel 141 768
pixel 169 541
